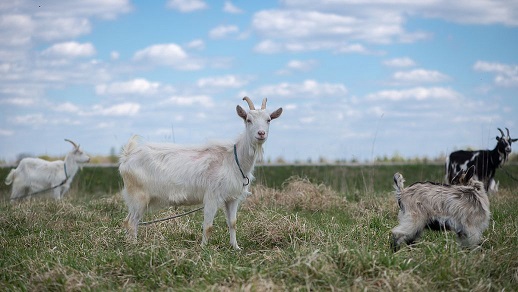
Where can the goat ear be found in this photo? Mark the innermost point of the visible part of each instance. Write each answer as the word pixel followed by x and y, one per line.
pixel 276 113
pixel 456 179
pixel 241 112
pixel 469 174
pixel 514 140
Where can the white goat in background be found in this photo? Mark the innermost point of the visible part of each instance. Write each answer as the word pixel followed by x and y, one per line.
pixel 34 175
pixel 215 174
pixel 462 208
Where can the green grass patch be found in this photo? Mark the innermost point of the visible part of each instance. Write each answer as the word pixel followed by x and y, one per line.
pixel 329 231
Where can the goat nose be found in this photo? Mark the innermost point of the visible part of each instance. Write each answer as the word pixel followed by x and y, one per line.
pixel 261 133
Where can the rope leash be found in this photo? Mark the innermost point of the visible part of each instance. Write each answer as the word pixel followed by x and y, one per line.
pixel 169 218
pixel 192 211
pixel 239 166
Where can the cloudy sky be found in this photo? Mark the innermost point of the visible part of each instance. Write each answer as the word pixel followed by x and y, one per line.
pixel 356 79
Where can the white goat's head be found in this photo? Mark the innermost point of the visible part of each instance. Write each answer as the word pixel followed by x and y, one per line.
pixel 77 154
pixel 257 122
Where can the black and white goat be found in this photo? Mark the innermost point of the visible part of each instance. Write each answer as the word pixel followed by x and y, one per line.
pixel 485 161
pixel 215 174
pixel 462 208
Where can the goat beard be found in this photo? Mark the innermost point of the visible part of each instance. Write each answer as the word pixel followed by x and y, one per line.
pixel 504 156
pixel 257 151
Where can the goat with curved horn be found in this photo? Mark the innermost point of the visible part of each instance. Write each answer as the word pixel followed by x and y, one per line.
pixel 216 174
pixel 72 142
pixel 35 176
pixel 485 161
pixel 263 106
pixel 250 103
pixel 501 132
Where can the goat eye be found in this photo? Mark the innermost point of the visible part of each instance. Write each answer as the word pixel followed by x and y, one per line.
pixel 268 121
pixel 249 121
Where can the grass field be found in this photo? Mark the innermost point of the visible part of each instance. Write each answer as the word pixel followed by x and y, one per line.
pixel 328 229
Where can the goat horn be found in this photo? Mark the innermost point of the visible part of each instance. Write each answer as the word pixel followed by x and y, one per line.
pixel 508 133
pixel 263 106
pixel 250 103
pixel 75 146
pixel 501 132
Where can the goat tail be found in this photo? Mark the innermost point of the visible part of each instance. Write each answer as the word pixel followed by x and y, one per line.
pixel 398 187
pixel 10 177
pixel 129 147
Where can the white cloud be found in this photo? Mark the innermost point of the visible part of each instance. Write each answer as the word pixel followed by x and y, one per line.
pixel 302 26
pixel 30 119
pixel 51 21
pixel 61 28
pixel 270 46
pixel 298 23
pixel 223 31
pixel 506 75
pixel 463 11
pixel 19 101
pixel 169 55
pixel 353 48
pixel 189 100
pixel 16 29
pixel 66 107
pixel 70 50
pixel 298 66
pixel 114 55
pixel 419 76
pixel 228 81
pixel 136 86
pixel 4 132
pixel 187 5
pixel 231 8
pixel 197 44
pixel 308 88
pixel 417 93
pixel 106 9
pixel 400 62
pixel 275 46
pixel 122 109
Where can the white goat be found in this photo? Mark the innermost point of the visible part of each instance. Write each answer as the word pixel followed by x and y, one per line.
pixel 463 208
pixel 34 175
pixel 215 174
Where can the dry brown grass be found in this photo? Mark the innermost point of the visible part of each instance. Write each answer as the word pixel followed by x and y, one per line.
pixel 296 193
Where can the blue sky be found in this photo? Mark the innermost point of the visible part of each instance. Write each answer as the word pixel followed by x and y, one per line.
pixel 356 79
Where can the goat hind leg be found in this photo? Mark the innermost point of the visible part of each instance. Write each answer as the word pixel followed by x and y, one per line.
pixel 135 213
pixel 18 192
pixel 209 212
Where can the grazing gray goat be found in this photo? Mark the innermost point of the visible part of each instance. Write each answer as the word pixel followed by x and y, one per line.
pixel 462 208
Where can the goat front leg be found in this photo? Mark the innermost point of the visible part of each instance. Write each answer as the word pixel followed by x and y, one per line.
pixel 209 212
pixel 56 193
pixel 231 212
